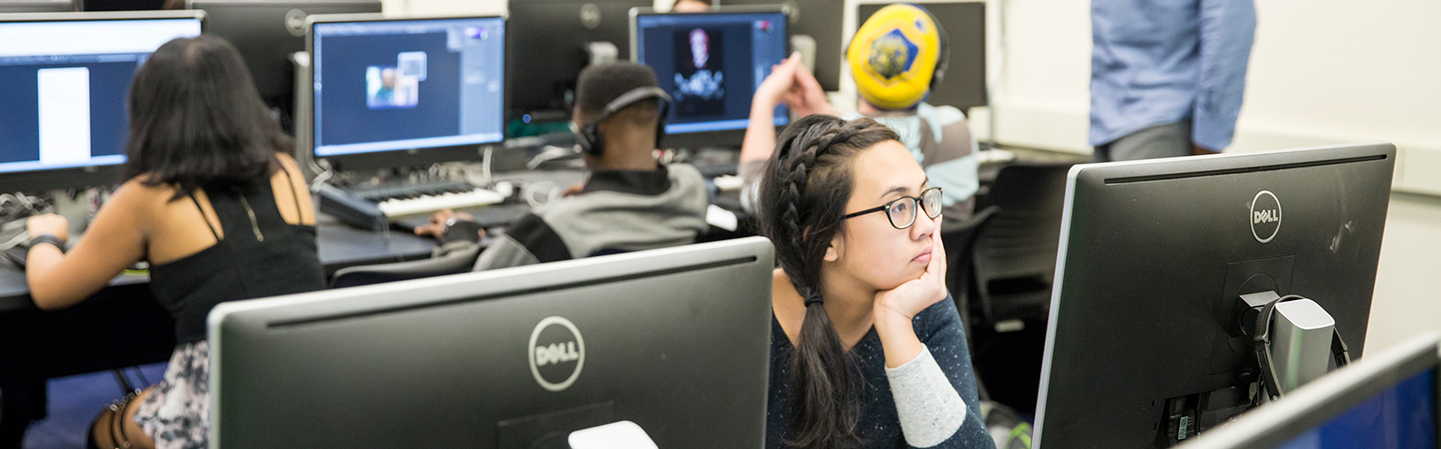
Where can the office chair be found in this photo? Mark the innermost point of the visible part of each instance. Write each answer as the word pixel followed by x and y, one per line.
pixel 1012 267
pixel 459 261
pixel 1014 257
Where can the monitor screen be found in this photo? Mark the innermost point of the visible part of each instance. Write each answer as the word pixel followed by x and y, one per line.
pixel 711 64
pixel 1401 417
pixel 66 88
pixel 407 84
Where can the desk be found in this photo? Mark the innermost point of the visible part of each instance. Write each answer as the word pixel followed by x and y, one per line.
pixel 123 325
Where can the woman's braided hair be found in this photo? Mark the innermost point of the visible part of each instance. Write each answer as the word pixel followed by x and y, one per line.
pixel 803 196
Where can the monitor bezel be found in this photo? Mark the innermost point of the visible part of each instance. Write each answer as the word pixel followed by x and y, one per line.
pixel 1278 422
pixel 409 157
pixel 705 139
pixel 82 177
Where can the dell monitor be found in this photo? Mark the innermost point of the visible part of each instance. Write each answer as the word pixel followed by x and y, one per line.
pixel 674 340
pixel 550 39
pixel 964 83
pixel 9 6
pixel 66 78
pixel 1387 401
pixel 1144 346
pixel 819 19
pixel 404 92
pixel 711 64
pixel 267 32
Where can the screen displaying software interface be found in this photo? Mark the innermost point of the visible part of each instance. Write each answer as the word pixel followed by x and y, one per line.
pixel 407 84
pixel 66 84
pixel 711 64
pixel 1403 416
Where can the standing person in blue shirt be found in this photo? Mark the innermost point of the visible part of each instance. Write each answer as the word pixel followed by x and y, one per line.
pixel 896 57
pixel 1167 75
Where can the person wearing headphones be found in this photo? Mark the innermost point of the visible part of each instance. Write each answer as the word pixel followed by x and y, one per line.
pixel 628 202
pixel 896 58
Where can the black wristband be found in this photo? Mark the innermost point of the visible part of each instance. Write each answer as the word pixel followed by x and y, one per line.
pixel 462 230
pixel 47 239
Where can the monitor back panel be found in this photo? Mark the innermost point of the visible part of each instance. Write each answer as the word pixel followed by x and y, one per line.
pixel 675 340
pixel 268 32
pixel 1155 255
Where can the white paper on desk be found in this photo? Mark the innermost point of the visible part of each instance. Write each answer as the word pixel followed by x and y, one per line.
pixel 616 435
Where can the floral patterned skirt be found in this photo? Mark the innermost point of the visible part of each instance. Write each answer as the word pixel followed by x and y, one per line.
pixel 177 412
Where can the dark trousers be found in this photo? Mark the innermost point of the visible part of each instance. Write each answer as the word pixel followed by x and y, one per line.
pixel 1169 140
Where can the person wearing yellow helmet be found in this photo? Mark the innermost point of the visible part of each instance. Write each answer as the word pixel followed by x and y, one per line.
pixel 896 58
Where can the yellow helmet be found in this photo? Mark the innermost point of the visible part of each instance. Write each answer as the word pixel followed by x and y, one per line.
pixel 897 56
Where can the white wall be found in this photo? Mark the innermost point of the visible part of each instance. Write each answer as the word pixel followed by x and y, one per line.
pixel 1321 72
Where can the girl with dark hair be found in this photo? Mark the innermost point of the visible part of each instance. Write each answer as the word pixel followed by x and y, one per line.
pixel 216 206
pixel 867 347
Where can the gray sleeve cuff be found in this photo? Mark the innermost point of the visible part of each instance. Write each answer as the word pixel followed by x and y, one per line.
pixel 929 408
pixel 504 252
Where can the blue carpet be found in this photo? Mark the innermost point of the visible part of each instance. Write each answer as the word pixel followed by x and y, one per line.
pixel 74 401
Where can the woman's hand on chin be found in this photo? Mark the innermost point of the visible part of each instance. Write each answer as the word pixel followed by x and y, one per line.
pixel 902 303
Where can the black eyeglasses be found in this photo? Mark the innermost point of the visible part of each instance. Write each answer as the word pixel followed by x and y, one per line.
pixel 902 211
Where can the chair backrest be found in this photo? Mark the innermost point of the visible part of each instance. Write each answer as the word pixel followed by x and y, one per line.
pixel 458 261
pixel 1016 251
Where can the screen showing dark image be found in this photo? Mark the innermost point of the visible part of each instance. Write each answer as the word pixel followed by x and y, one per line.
pixel 711 64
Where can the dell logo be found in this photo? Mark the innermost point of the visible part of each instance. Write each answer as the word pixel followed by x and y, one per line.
pixel 295 22
pixel 1265 216
pixel 557 353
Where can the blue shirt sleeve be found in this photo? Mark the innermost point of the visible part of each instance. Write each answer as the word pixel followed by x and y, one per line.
pixel 939 328
pixel 1228 29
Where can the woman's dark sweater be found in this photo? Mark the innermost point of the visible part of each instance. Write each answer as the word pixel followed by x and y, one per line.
pixel 939 328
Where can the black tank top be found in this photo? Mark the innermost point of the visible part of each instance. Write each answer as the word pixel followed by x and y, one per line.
pixel 261 255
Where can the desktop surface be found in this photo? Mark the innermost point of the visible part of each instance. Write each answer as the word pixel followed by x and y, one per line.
pixel 711 64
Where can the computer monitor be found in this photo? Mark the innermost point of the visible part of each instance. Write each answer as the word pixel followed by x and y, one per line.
pixel 1387 401
pixel 964 83
pixel 819 19
pixel 552 36
pixel 67 78
pixel 675 340
pixel 405 92
pixel 9 6
pixel 267 32
pixel 1143 345
pixel 711 63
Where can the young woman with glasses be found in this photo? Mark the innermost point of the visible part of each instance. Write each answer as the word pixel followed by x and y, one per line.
pixel 867 347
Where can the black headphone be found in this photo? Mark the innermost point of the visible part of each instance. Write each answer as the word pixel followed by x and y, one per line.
pixel 1262 339
pixel 589 137
pixel 942 58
